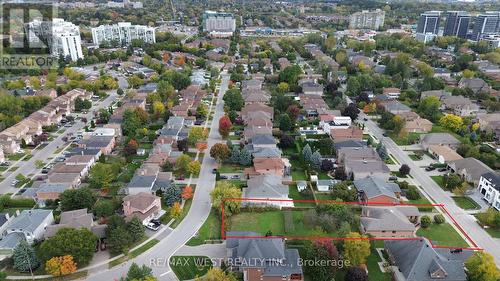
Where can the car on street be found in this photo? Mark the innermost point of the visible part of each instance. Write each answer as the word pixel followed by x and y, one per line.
pixel 235 177
pixel 14 182
pixel 444 169
pixel 430 168
pixel 5 163
pixel 223 177
pixel 385 134
pixel 393 178
pixel 365 119
pixel 214 171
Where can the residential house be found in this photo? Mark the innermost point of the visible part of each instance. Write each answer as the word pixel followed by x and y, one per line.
pixel 352 133
pixel 259 108
pixel 477 85
pixel 395 107
pixel 251 85
pixel 460 105
pixel 62 168
pixel 377 190
pixel 349 143
pixel 104 143
pixel 357 153
pixel 46 191
pixel 389 222
pixel 284 63
pixel 392 93
pixel 358 169
pixel 28 225
pixel 418 260
pixel 443 153
pixel 312 104
pixel 270 259
pixel 143 205
pixel 256 96
pixel 261 141
pixel 71 179
pixel 325 185
pixel 419 125
pixel 267 187
pixel 264 152
pixel 489 122
pixel 264 166
pixel 470 169
pixel 438 139
pixel 312 88
pixel 440 94
pixel 489 186
pixel 76 219
pixel 141 183
pixel 252 131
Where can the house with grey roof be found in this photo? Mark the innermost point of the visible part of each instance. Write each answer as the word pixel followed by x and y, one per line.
pixel 470 169
pixel 489 187
pixel 358 169
pixel 266 152
pixel 418 260
pixel 477 85
pixel 440 94
pixel 325 185
pixel 438 139
pixel 385 222
pixel 349 143
pixel 312 88
pixel 460 105
pixel 77 219
pixel 261 141
pixel 267 187
pixel 141 183
pixel 262 259
pixel 395 107
pixel 28 225
pixel 377 190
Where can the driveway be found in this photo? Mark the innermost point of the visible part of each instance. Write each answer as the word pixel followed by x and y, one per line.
pixel 157 257
pixel 466 221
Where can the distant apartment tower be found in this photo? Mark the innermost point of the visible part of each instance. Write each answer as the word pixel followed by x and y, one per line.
pixel 429 22
pixel 486 24
pixel 219 24
pixel 367 19
pixel 62 37
pixel 457 24
pixel 123 33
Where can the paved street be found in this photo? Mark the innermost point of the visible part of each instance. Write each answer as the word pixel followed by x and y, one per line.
pixel 465 220
pixel 29 167
pixel 158 256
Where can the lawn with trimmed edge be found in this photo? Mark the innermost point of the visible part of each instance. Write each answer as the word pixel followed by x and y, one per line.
pixel 210 230
pixel 439 180
pixel 229 168
pixel 296 195
pixel 443 235
pixel 190 267
pixel 373 268
pixel 466 203
pixel 185 210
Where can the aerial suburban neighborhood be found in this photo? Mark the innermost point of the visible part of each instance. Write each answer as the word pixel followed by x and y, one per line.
pixel 250 140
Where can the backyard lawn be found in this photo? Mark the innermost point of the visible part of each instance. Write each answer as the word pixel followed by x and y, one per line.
pixel 409 139
pixel 373 268
pixel 423 200
pixel 443 235
pixel 466 203
pixel 210 230
pixel 298 175
pixel 190 267
pixel 296 195
pixel 229 168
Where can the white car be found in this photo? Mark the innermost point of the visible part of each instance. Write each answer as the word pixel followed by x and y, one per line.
pixel 153 226
pixel 14 182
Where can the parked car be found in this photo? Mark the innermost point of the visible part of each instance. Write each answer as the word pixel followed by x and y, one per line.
pixel 45 170
pixel 235 177
pixel 393 178
pixel 223 177
pixel 214 171
pixel 385 134
pixel 153 225
pixel 430 168
pixel 14 182
pixel 198 122
pixel 5 163
pixel 442 169
pixel 365 119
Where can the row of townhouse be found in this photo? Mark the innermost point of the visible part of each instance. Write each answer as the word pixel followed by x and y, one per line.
pixel 30 127
pixel 189 99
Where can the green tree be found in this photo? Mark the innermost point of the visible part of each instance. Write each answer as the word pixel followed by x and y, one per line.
pixel 194 167
pixel 220 152
pixel 104 208
pixel 222 190
pixel 233 100
pixel 182 162
pixel 74 199
pixel 24 257
pixel 172 194
pixel 307 153
pixel 217 274
pixel 139 273
pixel 119 240
pixel 245 157
pixel 452 122
pixel 101 176
pixel 290 74
pixel 481 267
pixel 78 243
pixel 136 229
pixel 283 87
pixel 429 108
pixel 197 134
pixel 285 123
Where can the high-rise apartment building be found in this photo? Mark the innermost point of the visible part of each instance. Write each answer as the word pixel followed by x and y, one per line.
pixel 457 24
pixel 219 24
pixel 62 37
pixel 429 22
pixel 123 33
pixel 367 19
pixel 486 24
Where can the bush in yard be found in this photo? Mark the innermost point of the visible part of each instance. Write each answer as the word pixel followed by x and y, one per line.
pixel 481 267
pixel 439 219
pixel 24 257
pixel 326 165
pixel 356 274
pixel 172 195
pixel 187 193
pixel 425 221
pixel 79 243
pixel 286 141
pixel 60 266
pixel 404 170
pixel 412 193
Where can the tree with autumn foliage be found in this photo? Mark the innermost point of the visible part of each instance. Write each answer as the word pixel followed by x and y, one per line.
pixel 220 152
pixel 293 111
pixel 175 210
pixel 356 249
pixel 187 192
pixel 60 266
pixel 194 167
pixel 131 148
pixel 225 126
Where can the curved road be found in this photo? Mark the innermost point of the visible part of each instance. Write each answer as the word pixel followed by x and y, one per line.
pixel 158 256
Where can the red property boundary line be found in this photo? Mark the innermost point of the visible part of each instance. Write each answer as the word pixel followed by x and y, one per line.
pixel 319 238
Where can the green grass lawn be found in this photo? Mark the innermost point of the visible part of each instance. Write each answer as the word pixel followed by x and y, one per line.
pixel 298 175
pixel 398 174
pixel 409 139
pixel 493 232
pixel 134 253
pixel 210 230
pixel 466 203
pixel 15 157
pixel 323 176
pixel 373 268
pixel 442 234
pixel 423 200
pixel 146 145
pixel 415 157
pixel 296 195
pixel 229 168
pixel 439 180
pixel 190 267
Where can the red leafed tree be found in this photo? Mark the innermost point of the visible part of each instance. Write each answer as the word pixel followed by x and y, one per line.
pixel 187 192
pixel 293 111
pixel 131 148
pixel 225 126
